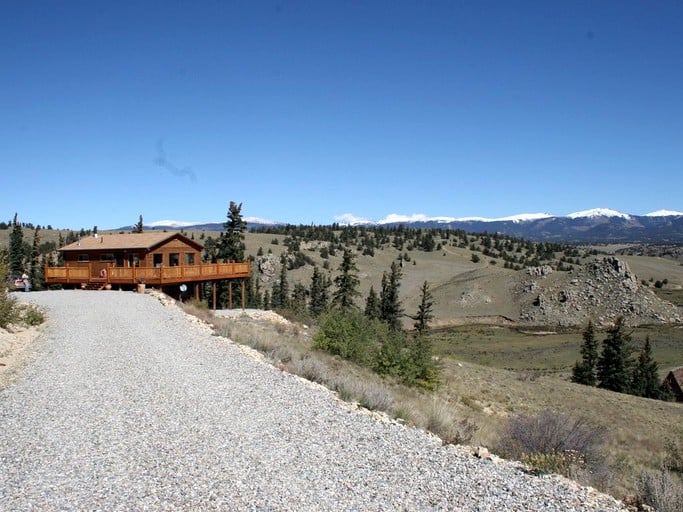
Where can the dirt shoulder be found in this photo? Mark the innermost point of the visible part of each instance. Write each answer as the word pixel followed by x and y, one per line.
pixel 15 351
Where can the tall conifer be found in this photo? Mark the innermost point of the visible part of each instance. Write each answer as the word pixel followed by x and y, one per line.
pixel 612 364
pixel 16 248
pixel 584 372
pixel 347 282
pixel 389 299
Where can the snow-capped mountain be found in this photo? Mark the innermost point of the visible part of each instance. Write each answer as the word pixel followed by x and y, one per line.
pixel 664 213
pixel 598 225
pixel 598 212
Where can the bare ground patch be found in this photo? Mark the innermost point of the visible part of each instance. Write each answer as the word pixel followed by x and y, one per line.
pixel 15 351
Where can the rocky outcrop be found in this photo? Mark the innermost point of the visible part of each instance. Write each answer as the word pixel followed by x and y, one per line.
pixel 599 291
pixel 268 267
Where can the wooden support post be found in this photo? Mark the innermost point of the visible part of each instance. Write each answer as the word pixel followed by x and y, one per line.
pixel 242 280
pixel 229 294
pixel 196 291
pixel 213 291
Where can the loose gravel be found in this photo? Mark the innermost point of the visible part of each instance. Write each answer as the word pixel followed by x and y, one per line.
pixel 130 406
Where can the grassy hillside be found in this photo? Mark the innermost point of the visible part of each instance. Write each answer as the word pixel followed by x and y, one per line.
pixel 474 401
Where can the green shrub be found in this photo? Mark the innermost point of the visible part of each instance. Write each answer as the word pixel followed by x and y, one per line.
pixel 8 306
pixel 8 309
pixel 31 315
pixel 349 334
pixel 562 463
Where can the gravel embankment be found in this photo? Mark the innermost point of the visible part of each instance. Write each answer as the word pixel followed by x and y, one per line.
pixel 130 406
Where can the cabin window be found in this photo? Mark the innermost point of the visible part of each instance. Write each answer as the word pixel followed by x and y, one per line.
pixel 106 257
pixel 189 258
pixel 157 259
pixel 83 258
pixel 174 259
pixel 133 260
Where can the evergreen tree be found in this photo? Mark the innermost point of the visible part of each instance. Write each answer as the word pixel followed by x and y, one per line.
pixel 254 299
pixel 60 255
pixel 36 273
pixel 645 380
pixel 584 371
pixel 280 294
pixel 613 361
pixel 267 303
pixel 347 282
pixel 298 302
pixel 390 303
pixel 373 307
pixel 230 247
pixel 424 310
pixel 16 248
pixel 231 243
pixel 139 227
pixel 319 298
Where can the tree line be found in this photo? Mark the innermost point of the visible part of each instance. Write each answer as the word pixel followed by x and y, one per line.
pixel 613 367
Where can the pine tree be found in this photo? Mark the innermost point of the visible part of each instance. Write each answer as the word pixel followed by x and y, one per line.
pixel 645 379
pixel 373 307
pixel 390 303
pixel 139 227
pixel 36 273
pixel 16 248
pixel 318 300
pixel 280 294
pixel 613 361
pixel 424 310
pixel 584 371
pixel 298 302
pixel 347 282
pixel 231 246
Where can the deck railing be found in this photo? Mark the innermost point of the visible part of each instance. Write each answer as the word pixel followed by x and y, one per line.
pixel 150 275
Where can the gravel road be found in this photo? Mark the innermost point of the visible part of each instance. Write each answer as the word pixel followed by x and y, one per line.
pixel 130 406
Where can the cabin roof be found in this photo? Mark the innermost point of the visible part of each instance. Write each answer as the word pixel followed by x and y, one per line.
pixel 141 241
pixel 678 375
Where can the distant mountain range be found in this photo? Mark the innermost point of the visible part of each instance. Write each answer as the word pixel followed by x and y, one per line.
pixel 600 225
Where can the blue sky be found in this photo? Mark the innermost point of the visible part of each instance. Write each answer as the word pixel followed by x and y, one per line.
pixel 304 111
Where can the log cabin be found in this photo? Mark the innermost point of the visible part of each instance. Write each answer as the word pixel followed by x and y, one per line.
pixel 674 381
pixel 125 261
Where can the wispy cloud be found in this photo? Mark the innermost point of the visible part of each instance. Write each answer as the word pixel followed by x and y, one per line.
pixel 162 161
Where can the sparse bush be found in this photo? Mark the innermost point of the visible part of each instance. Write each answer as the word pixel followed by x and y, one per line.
pixel 661 490
pixel 197 303
pixel 8 309
pixel 552 441
pixel 674 454
pixel 8 306
pixel 567 463
pixel 31 315
pixel 440 421
pixel 309 368
pixel 368 394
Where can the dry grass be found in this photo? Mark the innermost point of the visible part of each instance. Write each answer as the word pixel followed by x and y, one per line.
pixel 474 402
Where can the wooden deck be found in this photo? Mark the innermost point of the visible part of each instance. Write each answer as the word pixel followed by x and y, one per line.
pixel 153 276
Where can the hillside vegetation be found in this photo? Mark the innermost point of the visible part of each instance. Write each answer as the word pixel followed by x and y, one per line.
pixel 506 329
